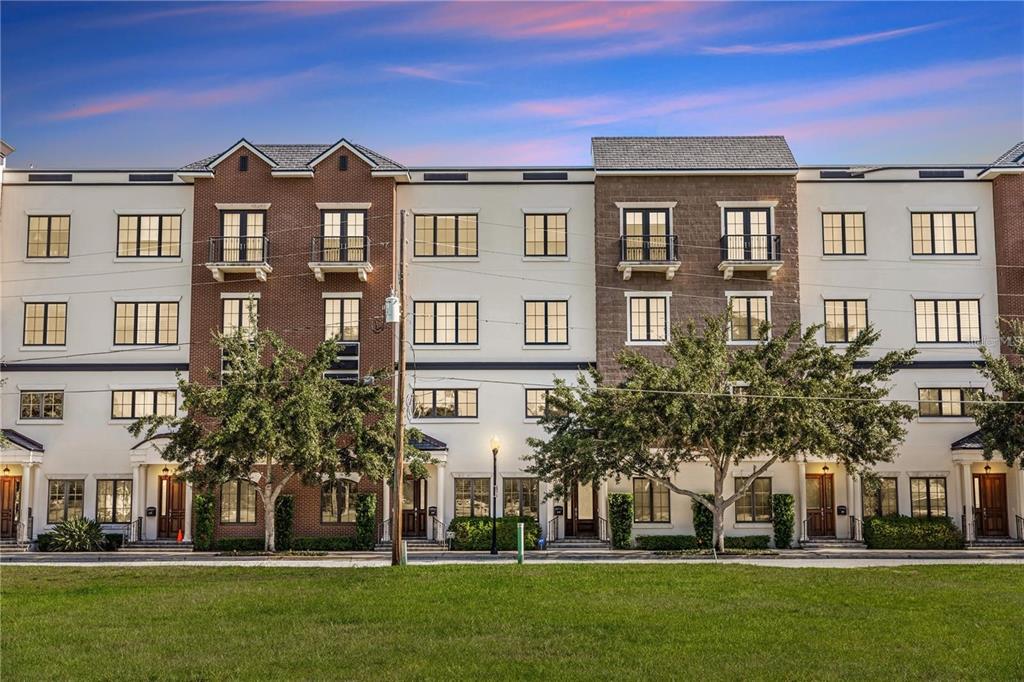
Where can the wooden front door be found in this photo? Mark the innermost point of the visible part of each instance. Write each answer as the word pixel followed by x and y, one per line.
pixel 171 517
pixel 821 513
pixel 10 505
pixel 990 514
pixel 414 508
pixel 579 517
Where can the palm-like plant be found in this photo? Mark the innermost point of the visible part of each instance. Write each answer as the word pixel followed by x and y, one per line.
pixel 78 535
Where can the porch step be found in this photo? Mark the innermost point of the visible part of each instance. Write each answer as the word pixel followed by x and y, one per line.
pixel 158 545
pixel 996 542
pixel 578 543
pixel 8 546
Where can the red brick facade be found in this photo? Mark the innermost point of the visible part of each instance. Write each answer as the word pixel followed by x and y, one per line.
pixel 1008 211
pixel 698 288
pixel 291 301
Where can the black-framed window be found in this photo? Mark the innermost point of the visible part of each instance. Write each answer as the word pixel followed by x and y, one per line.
pixel 473 497
pixel 148 236
pixel 145 324
pixel 45 324
pixel 344 236
pixel 49 236
pixel 944 234
pixel 521 497
pixel 444 322
pixel 747 233
pixel 135 403
pixel 341 319
pixel 948 321
pixel 113 500
pixel 882 500
pixel 237 502
pixel 338 501
pixel 648 318
pixel 547 322
pixel 646 233
pixel 445 235
pixel 755 504
pixel 947 402
pixel 444 403
pixel 746 315
pixel 651 501
pixel 242 233
pixel 545 234
pixel 537 402
pixel 41 405
pixel 845 319
pixel 842 234
pixel 239 314
pixel 65 500
pixel 928 497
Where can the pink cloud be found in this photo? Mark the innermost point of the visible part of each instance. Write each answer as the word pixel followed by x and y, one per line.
pixel 274 10
pixel 558 150
pixel 445 73
pixel 820 45
pixel 829 127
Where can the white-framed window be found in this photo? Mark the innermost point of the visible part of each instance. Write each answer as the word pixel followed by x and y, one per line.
pixel 65 500
pixel 746 315
pixel 648 318
pixel 947 402
pixel 537 402
pixel 944 233
pixel 49 236
pixel 845 319
pixel 41 405
pixel 948 321
pixel 148 236
pixel 444 403
pixel 135 403
pixel 547 323
pixel 445 235
pixel 545 234
pixel 444 322
pixel 239 314
pixel 341 319
pixel 148 323
pixel 842 234
pixel 45 324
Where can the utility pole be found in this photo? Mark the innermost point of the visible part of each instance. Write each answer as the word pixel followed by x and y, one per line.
pixel 396 488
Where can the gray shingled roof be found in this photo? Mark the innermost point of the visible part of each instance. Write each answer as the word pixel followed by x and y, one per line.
pixel 1014 156
pixel 971 441
pixel 23 441
pixel 761 152
pixel 298 156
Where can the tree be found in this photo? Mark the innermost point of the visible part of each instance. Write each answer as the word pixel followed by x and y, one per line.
pixel 1000 414
pixel 274 416
pixel 722 405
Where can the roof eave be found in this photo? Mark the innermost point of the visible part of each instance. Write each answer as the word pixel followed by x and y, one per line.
pixel 343 143
pixel 248 145
pixel 695 171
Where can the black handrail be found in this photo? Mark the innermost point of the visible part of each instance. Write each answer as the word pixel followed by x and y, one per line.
pixel 751 247
pixel 384 530
pixel 654 248
pixel 440 534
pixel 346 249
pixel 552 531
pixel 133 531
pixel 239 250
pixel 29 526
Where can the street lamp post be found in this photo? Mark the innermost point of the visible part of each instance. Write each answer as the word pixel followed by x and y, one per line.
pixel 495 444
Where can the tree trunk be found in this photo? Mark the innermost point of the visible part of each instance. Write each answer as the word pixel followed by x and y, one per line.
pixel 719 517
pixel 268 525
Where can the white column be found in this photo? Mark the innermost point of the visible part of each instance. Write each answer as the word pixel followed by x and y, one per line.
pixel 439 495
pixel 851 510
pixel 858 504
pixel 27 489
pixel 137 483
pixel 386 511
pixel 143 498
pixel 188 513
pixel 801 497
pixel 1020 498
pixel 967 498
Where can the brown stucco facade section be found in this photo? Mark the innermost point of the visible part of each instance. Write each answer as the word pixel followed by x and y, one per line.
pixel 698 288
pixel 1008 210
pixel 291 300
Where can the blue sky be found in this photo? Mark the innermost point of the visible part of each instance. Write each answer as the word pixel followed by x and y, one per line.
pixel 162 84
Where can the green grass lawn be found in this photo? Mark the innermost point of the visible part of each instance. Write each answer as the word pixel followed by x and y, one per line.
pixel 555 621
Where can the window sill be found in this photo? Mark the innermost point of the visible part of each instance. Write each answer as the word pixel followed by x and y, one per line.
pixel 39 422
pixel 446 420
pixel 147 259
pixel 546 346
pixel 446 346
pixel 844 256
pixel 546 259
pixel 947 257
pixel 43 349
pixel 946 420
pixel 741 343
pixel 142 347
pixel 646 343
pixel 757 525
pixel 43 259
pixel 652 523
pixel 937 345
pixel 446 259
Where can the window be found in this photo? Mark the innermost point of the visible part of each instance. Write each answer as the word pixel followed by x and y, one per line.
pixel 650 501
pixel 937 234
pixel 145 323
pixel 927 497
pixel 143 403
pixel 545 235
pixel 49 236
pixel 472 497
pixel 444 322
pixel 148 236
pixel 341 319
pixel 755 505
pixel 440 403
pixel 237 502
pixel 951 321
pixel 882 501
pixel 240 314
pixel 445 235
pixel 45 324
pixel 947 402
pixel 646 235
pixel 747 314
pixel 537 402
pixel 547 322
pixel 844 320
pixel 648 319
pixel 66 500
pixel 748 234
pixel 113 501
pixel 338 501
pixel 344 237
pixel 521 497
pixel 242 237
pixel 42 405
pixel 843 234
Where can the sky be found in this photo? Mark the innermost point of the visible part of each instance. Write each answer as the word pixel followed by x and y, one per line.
pixel 160 84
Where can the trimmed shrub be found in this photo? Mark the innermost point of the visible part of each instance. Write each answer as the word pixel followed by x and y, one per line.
pixel 202 522
pixel 44 542
pixel 783 519
pixel 704 522
pixel 239 545
pixel 284 516
pixel 666 543
pixel 77 535
pixel 472 533
pixel 366 521
pixel 114 541
pixel 330 544
pixel 748 542
pixel 620 516
pixel 907 532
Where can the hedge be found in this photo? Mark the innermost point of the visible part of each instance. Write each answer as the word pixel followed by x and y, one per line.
pixel 284 517
pixel 329 544
pixel 620 516
pixel 703 522
pixel 114 542
pixel 907 532
pixel 748 542
pixel 474 533
pixel 666 543
pixel 783 519
pixel 239 545
pixel 366 521
pixel 203 511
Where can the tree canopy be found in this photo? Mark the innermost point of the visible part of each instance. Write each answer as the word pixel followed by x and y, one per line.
pixel 1000 414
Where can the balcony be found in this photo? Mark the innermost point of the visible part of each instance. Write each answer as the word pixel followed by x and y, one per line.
pixel 340 254
pixel 239 255
pixel 648 253
pixel 750 253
